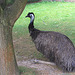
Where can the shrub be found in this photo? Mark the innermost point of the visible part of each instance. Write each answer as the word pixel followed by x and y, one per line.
pixel 29 1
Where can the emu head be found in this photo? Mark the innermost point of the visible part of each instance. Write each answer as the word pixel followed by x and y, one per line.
pixel 31 16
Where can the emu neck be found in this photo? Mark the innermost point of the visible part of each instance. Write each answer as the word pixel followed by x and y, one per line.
pixel 31 25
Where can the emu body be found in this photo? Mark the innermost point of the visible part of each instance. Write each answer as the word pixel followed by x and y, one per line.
pixel 57 47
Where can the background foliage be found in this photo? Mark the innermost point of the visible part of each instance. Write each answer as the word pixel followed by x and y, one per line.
pixel 32 1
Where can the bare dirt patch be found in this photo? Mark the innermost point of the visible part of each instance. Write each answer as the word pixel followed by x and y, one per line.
pixel 43 67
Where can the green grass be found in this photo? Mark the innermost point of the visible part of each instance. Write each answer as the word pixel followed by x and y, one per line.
pixel 49 16
pixel 26 71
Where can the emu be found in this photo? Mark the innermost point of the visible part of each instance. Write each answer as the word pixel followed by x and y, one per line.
pixel 57 47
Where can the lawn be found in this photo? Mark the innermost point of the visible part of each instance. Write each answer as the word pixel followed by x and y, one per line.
pixel 27 71
pixel 49 16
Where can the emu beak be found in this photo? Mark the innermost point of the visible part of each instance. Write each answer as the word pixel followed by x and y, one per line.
pixel 26 16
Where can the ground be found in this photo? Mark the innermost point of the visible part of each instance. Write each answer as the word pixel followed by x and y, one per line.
pixel 43 68
pixel 26 58
pixel 53 16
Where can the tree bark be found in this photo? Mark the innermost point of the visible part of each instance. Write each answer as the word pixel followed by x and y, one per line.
pixel 8 16
pixel 14 11
pixel 8 64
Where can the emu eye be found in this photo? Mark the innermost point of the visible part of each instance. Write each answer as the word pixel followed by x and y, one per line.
pixel 31 15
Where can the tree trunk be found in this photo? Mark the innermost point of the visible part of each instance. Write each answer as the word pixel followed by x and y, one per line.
pixel 8 65
pixel 8 16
